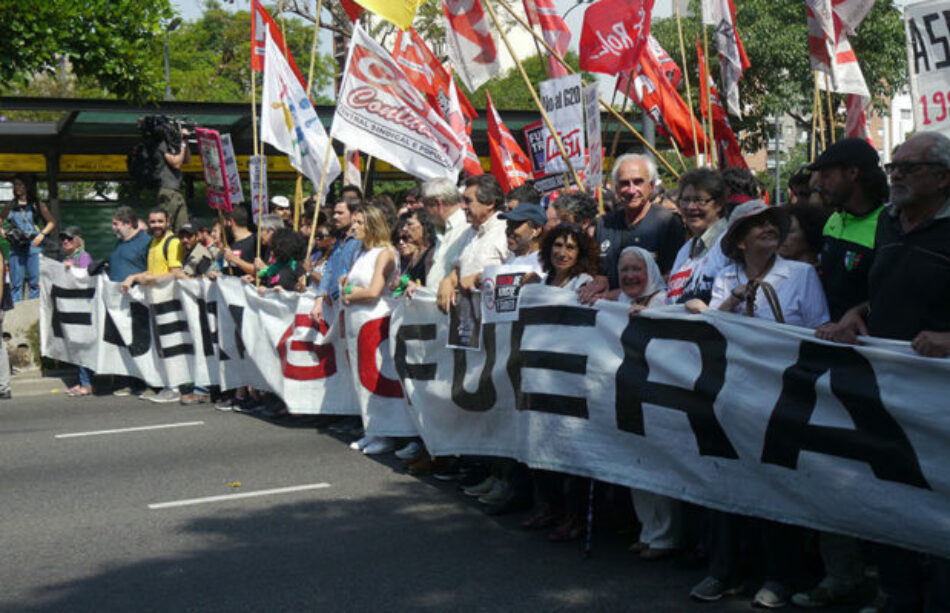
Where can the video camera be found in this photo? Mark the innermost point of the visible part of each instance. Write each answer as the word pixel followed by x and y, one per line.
pixel 156 129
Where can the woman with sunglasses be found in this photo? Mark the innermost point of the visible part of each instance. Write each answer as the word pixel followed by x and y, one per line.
pixel 77 257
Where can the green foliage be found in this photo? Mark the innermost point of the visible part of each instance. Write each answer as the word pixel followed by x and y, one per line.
pixel 113 42
pixel 775 36
pixel 210 57
pixel 509 92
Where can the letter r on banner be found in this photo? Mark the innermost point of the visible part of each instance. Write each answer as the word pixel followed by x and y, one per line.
pixel 325 357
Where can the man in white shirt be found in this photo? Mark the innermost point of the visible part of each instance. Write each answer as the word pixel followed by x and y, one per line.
pixel 485 243
pixel 443 203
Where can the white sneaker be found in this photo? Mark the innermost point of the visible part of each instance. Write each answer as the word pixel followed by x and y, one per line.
pixel 361 444
pixel 498 489
pixel 166 396
pixel 409 451
pixel 482 488
pixel 380 444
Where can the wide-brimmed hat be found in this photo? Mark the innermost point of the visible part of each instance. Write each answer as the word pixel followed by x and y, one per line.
pixel 739 221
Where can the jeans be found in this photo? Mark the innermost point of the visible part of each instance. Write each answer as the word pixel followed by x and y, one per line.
pixel 85 376
pixel 24 265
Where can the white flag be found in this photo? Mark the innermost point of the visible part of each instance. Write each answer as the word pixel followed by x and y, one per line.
pixel 289 121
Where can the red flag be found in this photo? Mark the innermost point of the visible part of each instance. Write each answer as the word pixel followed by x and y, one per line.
pixel 463 129
pixel 470 42
pixel 653 92
pixel 352 9
pixel 543 13
pixel 509 164
pixel 261 21
pixel 727 145
pixel 427 74
pixel 614 35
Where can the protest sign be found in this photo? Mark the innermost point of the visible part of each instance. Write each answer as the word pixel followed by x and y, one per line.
pixel 501 286
pixel 212 162
pixel 257 175
pixel 231 168
pixel 928 63
pixel 595 166
pixel 564 104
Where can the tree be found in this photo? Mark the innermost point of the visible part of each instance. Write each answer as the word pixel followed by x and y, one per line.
pixel 775 36
pixel 508 91
pixel 113 42
pixel 210 57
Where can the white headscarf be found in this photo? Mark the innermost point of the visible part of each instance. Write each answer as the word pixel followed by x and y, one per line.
pixel 655 282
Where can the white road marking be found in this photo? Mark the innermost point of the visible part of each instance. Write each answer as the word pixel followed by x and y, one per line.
pixel 206 500
pixel 183 424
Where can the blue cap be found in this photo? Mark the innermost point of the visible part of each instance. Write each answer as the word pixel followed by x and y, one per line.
pixel 525 211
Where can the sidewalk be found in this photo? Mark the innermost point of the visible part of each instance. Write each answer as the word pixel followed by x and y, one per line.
pixel 34 382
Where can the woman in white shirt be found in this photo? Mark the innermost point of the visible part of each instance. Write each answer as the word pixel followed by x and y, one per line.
pixel 568 257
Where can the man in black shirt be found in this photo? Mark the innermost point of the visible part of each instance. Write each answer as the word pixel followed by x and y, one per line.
pixel 635 222
pixel 909 291
pixel 240 254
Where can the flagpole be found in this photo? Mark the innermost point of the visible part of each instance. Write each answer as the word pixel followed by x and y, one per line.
pixel 323 181
pixel 689 95
pixel 815 110
pixel 821 121
pixel 831 112
pixel 534 94
pixel 603 102
pixel 369 169
pixel 623 109
pixel 711 141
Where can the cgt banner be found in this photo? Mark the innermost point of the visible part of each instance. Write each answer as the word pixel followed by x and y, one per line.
pixel 732 413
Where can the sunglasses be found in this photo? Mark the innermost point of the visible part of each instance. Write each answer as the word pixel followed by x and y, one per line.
pixel 320 236
pixel 908 168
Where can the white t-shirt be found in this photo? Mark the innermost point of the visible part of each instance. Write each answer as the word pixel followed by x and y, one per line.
pixel 796 284
pixel 532 260
pixel 579 281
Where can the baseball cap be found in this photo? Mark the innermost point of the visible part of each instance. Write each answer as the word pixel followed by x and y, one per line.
pixel 70 232
pixel 525 211
pixel 188 227
pixel 847 152
pixel 280 202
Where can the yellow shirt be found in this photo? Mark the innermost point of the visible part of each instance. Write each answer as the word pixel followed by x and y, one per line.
pixel 158 264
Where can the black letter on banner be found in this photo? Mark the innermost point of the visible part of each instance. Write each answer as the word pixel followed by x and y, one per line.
pixel 485 396
pixel 209 337
pixel 60 318
pixel 877 438
pixel 413 332
pixel 141 336
pixel 572 406
pixel 237 314
pixel 633 389
pixel 179 325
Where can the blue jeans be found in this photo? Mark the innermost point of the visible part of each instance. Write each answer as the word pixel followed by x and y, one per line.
pixel 25 265
pixel 85 376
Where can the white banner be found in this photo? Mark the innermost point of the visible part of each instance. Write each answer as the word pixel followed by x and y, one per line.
pixel 257 179
pixel 380 113
pixel 737 414
pixel 928 63
pixel 231 167
pixel 595 167
pixel 564 104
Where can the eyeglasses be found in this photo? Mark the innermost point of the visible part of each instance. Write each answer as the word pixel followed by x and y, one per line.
pixel 699 201
pixel 909 168
pixel 402 239
pixel 320 236
pixel 66 238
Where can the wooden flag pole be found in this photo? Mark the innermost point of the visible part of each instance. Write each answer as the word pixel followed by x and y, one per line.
pixel 821 121
pixel 831 110
pixel 323 181
pixel 814 123
pixel 711 141
pixel 568 67
pixel 369 168
pixel 534 94
pixel 689 95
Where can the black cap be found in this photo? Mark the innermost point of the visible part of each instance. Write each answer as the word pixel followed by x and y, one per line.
pixel 70 232
pixel 848 152
pixel 525 211
pixel 188 228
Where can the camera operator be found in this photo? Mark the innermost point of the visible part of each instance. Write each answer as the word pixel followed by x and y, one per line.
pixel 174 152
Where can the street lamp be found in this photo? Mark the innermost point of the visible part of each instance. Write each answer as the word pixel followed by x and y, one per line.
pixel 171 26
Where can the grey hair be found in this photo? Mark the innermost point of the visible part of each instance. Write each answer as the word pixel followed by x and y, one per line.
pixel 443 189
pixel 271 221
pixel 636 157
pixel 940 150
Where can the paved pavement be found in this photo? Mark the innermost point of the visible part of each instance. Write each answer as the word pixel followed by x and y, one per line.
pixel 357 534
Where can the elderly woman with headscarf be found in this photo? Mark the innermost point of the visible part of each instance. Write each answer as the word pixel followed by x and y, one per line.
pixel 641 282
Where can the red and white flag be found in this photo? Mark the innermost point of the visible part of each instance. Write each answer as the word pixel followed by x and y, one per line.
pixel 261 24
pixel 614 35
pixel 509 164
pixel 463 130
pixel 544 14
pixel 830 22
pixel 727 145
pixel 427 73
pixel 351 167
pixel 649 88
pixel 470 43
pixel 732 58
pixel 380 112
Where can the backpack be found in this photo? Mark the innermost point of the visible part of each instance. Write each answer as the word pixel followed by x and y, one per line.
pixel 142 166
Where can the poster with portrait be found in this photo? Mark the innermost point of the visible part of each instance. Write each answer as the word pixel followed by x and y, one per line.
pixel 212 162
pixel 501 288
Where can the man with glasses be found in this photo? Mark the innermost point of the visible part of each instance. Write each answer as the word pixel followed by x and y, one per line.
pixel 635 222
pixel 909 294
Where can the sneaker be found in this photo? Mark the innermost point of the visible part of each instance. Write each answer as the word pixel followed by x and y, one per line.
pixel 7 395
pixel 447 469
pixel 166 396
pixel 123 391
pixel 498 492
pixel 380 444
pixel 711 589
pixel 360 444
pixel 772 595
pixel 480 489
pixel 192 399
pixel 226 405
pixel 411 450
pixel 249 405
pixel 147 394
pixel 822 596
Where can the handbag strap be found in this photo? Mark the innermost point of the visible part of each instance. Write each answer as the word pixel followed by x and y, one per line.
pixel 770 297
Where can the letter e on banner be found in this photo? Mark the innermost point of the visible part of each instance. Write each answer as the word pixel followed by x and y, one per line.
pixel 614 34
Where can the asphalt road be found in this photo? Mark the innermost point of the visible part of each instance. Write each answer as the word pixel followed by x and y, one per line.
pixel 78 533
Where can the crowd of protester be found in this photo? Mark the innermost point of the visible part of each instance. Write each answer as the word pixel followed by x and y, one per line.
pixel 710 243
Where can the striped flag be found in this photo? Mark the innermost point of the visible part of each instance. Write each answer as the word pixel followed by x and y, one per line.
pixel 732 58
pixel 543 13
pixel 509 164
